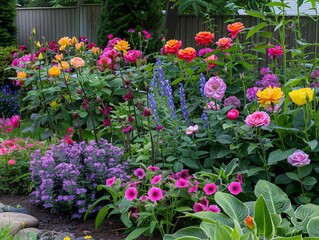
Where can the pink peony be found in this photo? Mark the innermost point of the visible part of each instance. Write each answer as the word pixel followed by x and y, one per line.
pixel 131 193
pixel 210 188
pixel 110 181
pixel 155 194
pixel 215 88
pixel 258 119
pixel 235 188
pixel 275 52
pixel 299 159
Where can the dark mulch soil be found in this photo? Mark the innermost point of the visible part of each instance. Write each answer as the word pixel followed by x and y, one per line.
pixel 110 229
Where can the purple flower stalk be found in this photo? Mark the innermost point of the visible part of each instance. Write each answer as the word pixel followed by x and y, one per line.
pixel 202 82
pixel 184 104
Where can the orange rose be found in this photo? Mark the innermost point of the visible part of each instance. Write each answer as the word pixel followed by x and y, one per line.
pixel 21 75
pixel 54 71
pixel 211 64
pixel 58 57
pixel 187 54
pixel 204 38
pixel 235 28
pixel 79 46
pixel 172 46
pixel 63 65
pixel 65 41
pixel 77 62
pixel 224 43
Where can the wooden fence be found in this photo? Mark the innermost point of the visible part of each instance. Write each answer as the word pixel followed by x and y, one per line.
pixel 54 23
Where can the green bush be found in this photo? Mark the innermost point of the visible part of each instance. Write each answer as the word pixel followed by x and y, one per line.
pixel 7 27
pixel 119 16
pixel 5 61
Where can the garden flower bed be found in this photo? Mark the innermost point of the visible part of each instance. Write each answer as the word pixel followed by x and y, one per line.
pixel 211 134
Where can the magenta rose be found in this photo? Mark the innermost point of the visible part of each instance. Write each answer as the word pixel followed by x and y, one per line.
pixel 215 88
pixel 299 159
pixel 257 119
pixel 275 52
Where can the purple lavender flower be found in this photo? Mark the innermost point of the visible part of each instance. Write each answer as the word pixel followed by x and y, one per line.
pixel 205 119
pixel 202 82
pixel 184 104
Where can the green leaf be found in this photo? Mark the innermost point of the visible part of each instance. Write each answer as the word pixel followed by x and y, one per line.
pixel 262 218
pixel 83 114
pixel 255 29
pixel 221 233
pixel 125 218
pixel 117 82
pixel 299 237
pixel 233 207
pixel 100 216
pixel 211 217
pixel 277 201
pixel 208 228
pixel 305 211
pixel 190 163
pixel 188 232
pixel 295 81
pixel 279 155
pixel 136 233
pixel 225 139
pixel 277 4
pixel 313 227
pixel 293 176
pixel 254 170
pixel 298 120
pixel 103 198
pixel 45 135
pixel 256 14
pixel 309 181
pixel 251 147
pixel 312 144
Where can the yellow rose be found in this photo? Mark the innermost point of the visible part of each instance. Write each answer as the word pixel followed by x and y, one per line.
pixel 79 46
pixel 269 96
pixel 40 57
pixel 65 41
pixel 38 44
pixel 53 104
pixel 21 75
pixel 63 65
pixel 301 96
pixel 95 50
pixel 67 238
pixel 54 71
pixel 77 62
pixel 122 46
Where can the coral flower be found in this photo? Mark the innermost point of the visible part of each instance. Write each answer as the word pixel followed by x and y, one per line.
pixel 172 46
pixel 155 194
pixel 215 87
pixel 235 188
pixel 210 188
pixel 204 38
pixel 54 71
pixel 269 96
pixel 209 62
pixel 224 43
pixel 11 162
pixel 188 54
pixel 258 119
pixel 77 62
pixel 301 96
pixel 235 29
pixel 63 65
pixel 275 52
pixel 122 46
pixel 131 193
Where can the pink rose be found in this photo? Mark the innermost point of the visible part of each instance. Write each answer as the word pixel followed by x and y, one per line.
pixel 258 119
pixel 77 62
pixel 11 162
pixel 192 129
pixel 275 52
pixel 215 88
pixel 15 121
pixel 299 159
pixel 132 56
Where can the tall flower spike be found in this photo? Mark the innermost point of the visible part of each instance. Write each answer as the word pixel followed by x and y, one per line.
pixel 154 109
pixel 184 104
pixel 202 82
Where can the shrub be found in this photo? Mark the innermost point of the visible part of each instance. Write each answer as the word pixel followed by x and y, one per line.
pixel 9 105
pixel 7 27
pixel 66 176
pixel 6 57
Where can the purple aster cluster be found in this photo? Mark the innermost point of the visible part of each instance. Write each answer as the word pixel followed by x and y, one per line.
pixel 66 176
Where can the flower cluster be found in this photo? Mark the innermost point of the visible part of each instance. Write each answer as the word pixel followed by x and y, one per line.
pixel 66 176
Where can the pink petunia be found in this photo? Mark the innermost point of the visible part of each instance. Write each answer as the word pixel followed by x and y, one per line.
pixel 198 207
pixel 140 173
pixel 210 188
pixel 194 188
pixel 110 181
pixel 152 168
pixel 235 188
pixel 155 194
pixel 156 179
pixel 182 183
pixel 131 193
pixel 213 208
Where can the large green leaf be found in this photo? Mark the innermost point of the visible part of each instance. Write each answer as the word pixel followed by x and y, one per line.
pixel 263 219
pixel 233 207
pixel 299 237
pixel 189 232
pixel 277 201
pixel 279 155
pixel 255 29
pixel 136 233
pixel 211 217
pixel 209 229
pixel 221 233
pixel 313 227
pixel 305 211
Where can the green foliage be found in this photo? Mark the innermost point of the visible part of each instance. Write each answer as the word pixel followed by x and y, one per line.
pixel 5 61
pixel 299 224
pixel 7 27
pixel 119 16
